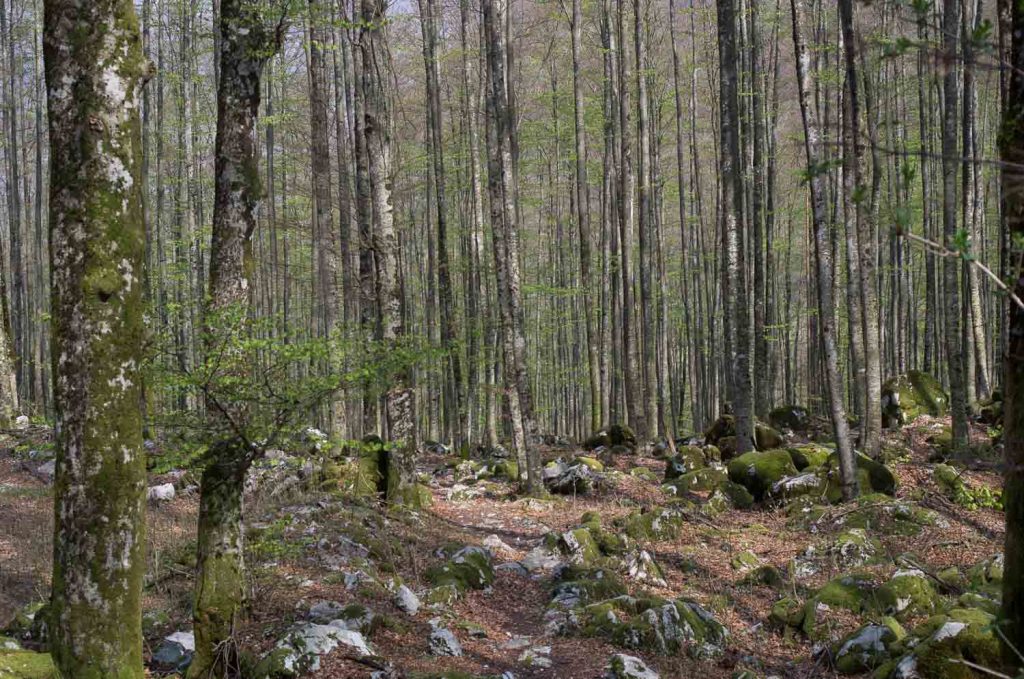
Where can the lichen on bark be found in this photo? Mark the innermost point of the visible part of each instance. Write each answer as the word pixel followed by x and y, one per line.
pixel 95 70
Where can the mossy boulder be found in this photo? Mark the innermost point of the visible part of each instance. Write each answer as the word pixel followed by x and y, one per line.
pixel 986 576
pixel 759 471
pixel 872 477
pixel 855 592
pixel 908 593
pixel 961 634
pixel 866 648
pixel 614 435
pixel 809 456
pixel 590 462
pixel 792 417
pixel 578 584
pixel 469 567
pixel 686 460
pixel 645 473
pixel 21 664
pixel 704 479
pixel 657 524
pixel 949 480
pixel 854 547
pixel 885 515
pixel 656 625
pixel 745 561
pixel 906 397
pixel 767 438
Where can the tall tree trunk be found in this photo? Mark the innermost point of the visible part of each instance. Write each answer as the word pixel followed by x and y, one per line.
pixel 582 201
pixel 95 70
pixel 648 314
pixel 1011 142
pixel 325 238
pixel 823 257
pixel 951 266
pixel 872 415
pixel 245 46
pixel 736 310
pixel 457 411
pixel 475 294
pixel 506 241
pixel 399 401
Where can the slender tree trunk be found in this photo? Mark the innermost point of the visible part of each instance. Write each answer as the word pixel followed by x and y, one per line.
pixel 399 401
pixel 871 426
pixel 823 258
pixel 245 47
pixel 736 309
pixel 475 289
pixel 457 411
pixel 506 240
pixel 950 265
pixel 582 200
pixel 95 70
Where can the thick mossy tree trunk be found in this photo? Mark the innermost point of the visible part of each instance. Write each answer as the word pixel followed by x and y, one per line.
pixel 95 70
pixel 1012 155
pixel 246 44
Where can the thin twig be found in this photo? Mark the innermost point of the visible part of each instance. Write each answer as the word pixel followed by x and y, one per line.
pixel 943 251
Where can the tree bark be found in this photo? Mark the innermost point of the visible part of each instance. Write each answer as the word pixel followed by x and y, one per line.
pixel 872 415
pixel 823 258
pixel 245 46
pixel 732 213
pixel 95 70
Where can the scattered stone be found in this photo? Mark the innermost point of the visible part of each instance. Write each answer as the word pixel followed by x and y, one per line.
pixel 537 656
pixel 407 601
pixel 629 667
pixel 496 544
pixel 46 471
pixel 854 548
pixel 443 641
pixel 641 567
pixel 865 648
pixel 300 650
pixel 174 654
pixel 575 480
pixel 162 493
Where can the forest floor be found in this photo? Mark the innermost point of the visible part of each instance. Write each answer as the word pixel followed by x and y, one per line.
pixel 306 547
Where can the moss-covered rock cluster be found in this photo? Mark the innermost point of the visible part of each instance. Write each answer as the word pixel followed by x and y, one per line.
pixel 468 567
pixel 906 397
pixel 950 627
